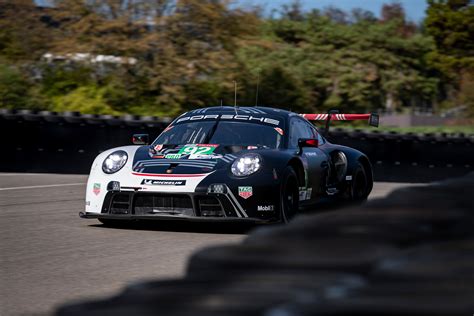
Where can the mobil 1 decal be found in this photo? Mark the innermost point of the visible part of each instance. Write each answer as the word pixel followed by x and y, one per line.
pixel 198 149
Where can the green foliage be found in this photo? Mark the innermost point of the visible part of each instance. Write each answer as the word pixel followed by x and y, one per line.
pixel 350 66
pixel 188 53
pixel 58 81
pixel 16 92
pixel 451 24
pixel 85 99
pixel 13 88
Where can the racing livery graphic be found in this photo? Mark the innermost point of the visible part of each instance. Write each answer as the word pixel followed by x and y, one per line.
pixel 228 163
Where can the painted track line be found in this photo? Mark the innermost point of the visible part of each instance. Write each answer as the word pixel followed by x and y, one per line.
pixel 42 186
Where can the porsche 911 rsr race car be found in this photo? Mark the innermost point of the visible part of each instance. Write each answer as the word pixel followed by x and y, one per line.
pixel 228 163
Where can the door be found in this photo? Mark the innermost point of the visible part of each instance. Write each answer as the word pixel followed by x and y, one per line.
pixel 314 159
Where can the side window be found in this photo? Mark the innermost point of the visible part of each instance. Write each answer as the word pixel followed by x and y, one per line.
pixel 299 129
pixel 311 131
pixel 321 140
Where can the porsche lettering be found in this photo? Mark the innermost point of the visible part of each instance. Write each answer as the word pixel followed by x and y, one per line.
pixel 238 117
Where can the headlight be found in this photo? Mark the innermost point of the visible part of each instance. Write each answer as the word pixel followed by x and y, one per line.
pixel 114 162
pixel 246 165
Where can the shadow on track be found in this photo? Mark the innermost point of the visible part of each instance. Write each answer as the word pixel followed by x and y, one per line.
pixel 181 226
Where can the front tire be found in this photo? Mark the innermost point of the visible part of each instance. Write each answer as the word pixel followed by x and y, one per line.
pixel 289 197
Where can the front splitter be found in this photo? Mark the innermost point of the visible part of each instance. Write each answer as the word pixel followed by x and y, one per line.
pixel 90 215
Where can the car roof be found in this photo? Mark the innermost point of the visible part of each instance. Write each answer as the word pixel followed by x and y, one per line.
pixel 242 110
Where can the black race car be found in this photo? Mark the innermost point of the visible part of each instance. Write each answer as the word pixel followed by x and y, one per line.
pixel 228 163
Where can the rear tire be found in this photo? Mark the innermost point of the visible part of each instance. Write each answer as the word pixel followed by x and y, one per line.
pixel 289 197
pixel 360 184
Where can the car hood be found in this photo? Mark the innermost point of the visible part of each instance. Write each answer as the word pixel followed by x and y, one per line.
pixel 168 160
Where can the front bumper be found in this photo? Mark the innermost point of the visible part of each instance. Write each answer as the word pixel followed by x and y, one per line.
pixel 217 196
pixel 223 206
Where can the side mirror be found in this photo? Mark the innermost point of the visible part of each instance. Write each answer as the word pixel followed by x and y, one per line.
pixel 307 142
pixel 140 139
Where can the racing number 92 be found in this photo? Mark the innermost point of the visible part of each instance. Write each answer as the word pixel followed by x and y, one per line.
pixel 197 149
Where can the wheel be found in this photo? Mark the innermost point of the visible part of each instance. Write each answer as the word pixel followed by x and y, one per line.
pixel 360 185
pixel 289 195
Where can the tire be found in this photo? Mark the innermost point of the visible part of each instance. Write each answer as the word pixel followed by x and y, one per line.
pixel 360 184
pixel 289 197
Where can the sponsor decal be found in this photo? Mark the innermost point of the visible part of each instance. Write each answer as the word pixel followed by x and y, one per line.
pixel 158 147
pixel 279 131
pixel 252 147
pixel 348 178
pixel 265 208
pixel 245 192
pixel 173 156
pixel 311 154
pixel 158 157
pixel 305 193
pixel 163 182
pixel 198 156
pixel 96 188
pixel 239 117
pixel 302 195
pixel 198 149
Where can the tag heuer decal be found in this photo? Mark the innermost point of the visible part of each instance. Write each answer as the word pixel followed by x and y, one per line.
pixel 96 188
pixel 245 192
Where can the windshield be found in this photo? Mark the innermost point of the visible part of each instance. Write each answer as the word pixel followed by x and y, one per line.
pixel 226 133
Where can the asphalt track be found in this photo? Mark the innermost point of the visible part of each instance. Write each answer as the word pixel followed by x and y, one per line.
pixel 48 255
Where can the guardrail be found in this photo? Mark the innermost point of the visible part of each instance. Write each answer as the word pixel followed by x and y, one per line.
pixel 68 143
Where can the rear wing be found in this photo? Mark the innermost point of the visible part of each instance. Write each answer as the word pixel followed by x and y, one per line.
pixel 372 118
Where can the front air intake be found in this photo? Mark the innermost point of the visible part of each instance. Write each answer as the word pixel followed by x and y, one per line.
pixel 164 204
pixel 120 203
pixel 210 207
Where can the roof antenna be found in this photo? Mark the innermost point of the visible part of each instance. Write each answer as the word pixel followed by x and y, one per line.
pixel 235 96
pixel 258 84
pixel 221 103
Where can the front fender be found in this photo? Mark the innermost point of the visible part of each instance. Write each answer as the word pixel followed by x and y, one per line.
pixel 97 182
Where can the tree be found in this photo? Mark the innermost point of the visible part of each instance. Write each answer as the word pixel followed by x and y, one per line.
pixel 23 34
pixel 451 24
pixel 13 88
